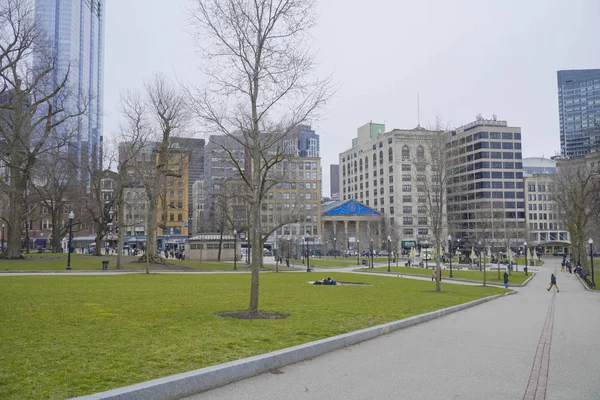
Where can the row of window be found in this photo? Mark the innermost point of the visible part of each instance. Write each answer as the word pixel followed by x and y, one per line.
pixel 540 188
pixel 542 216
pixel 542 207
pixel 211 246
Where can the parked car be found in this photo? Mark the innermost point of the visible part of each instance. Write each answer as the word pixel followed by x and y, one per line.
pixel 383 253
pixel 559 254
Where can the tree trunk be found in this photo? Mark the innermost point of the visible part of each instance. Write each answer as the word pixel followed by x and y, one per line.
pixel 120 220
pixel 255 224
pixel 220 245
pixel 15 217
pixel 151 221
pixel 56 237
pixel 98 239
pixel 438 285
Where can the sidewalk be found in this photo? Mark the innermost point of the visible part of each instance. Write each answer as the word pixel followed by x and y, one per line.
pixel 485 352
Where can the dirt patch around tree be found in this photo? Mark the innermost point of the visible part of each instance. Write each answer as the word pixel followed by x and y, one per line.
pixel 249 315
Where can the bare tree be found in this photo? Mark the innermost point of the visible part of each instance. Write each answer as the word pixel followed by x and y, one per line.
pixel 134 133
pixel 433 189
pixel 576 191
pixel 167 115
pixel 53 189
pixel 260 69
pixel 33 105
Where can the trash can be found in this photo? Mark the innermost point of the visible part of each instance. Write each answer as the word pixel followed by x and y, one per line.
pixel 104 265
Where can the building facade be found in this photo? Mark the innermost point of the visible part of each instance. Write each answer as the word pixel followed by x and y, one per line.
pixel 75 30
pixel 390 172
pixel 579 111
pixel 485 193
pixel 545 230
pixel 334 181
pixel 194 149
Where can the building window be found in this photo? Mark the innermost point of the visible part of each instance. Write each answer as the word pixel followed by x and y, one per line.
pixel 406 188
pixel 420 153
pixel 405 153
pixel 408 232
pixel 407 199
pixel 407 221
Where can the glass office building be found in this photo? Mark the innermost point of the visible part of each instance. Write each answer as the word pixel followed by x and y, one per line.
pixel 579 111
pixel 75 30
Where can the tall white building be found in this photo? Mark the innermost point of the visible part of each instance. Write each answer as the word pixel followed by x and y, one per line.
pixel 387 171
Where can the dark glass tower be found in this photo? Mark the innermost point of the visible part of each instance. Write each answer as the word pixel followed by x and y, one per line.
pixel 579 111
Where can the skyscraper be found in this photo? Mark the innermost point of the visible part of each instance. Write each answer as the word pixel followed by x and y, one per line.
pixel 75 31
pixel 579 111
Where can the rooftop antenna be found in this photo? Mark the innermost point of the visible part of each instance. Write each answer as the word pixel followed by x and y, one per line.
pixel 418 111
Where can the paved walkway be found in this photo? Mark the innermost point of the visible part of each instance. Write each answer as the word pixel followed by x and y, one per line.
pixel 532 345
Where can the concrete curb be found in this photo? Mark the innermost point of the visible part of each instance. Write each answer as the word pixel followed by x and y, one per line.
pixel 189 383
pixel 586 286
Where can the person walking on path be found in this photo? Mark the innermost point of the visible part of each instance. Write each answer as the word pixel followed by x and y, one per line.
pixel 433 274
pixel 553 283
pixel 506 279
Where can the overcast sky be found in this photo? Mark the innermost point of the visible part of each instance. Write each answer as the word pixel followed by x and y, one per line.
pixel 464 57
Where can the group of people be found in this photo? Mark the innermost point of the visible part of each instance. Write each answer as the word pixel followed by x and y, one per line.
pixel 326 281
pixel 176 254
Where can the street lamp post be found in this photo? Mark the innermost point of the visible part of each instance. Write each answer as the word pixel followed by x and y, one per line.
pixel 2 248
pixel 234 249
pixel 426 245
pixel 357 251
pixel 334 249
pixel 389 244
pixel 526 251
pixel 591 242
pixel 307 256
pixel 71 217
pixel 371 249
pixel 450 250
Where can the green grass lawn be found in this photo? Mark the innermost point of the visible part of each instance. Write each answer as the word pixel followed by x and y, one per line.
pixel 491 276
pixel 58 261
pixel 66 336
pixel 82 262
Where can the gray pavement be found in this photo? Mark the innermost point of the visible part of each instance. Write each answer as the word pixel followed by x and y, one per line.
pixel 485 352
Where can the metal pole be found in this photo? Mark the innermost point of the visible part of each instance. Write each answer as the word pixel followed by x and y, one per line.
pixel 234 251
pixel 334 249
pixel 526 251
pixel 307 257
pixel 357 252
pixel 2 248
pixel 450 247
pixel 592 259
pixel 389 254
pixel 69 245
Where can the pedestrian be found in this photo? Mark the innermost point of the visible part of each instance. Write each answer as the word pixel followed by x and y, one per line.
pixel 553 283
pixel 506 279
pixel 433 274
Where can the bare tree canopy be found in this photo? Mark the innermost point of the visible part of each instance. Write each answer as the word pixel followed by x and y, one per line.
pixel 576 191
pixel 437 169
pixel 260 87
